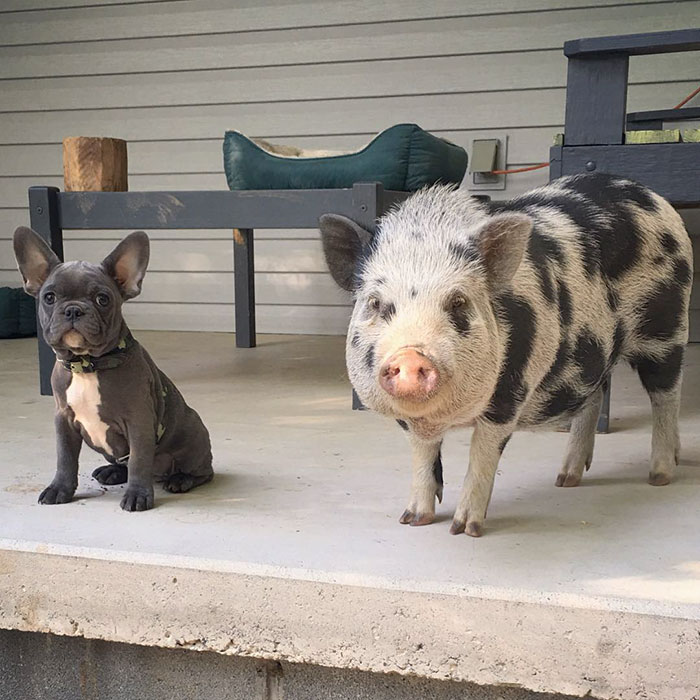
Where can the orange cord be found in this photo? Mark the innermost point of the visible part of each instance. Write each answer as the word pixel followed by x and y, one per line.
pixel 545 165
pixel 687 99
pixel 520 170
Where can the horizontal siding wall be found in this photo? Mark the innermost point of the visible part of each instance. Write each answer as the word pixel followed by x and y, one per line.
pixel 171 76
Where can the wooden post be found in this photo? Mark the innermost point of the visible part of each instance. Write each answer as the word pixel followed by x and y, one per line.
pixel 93 164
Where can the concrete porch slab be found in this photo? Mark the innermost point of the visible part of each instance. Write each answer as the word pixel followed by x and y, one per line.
pixel 294 552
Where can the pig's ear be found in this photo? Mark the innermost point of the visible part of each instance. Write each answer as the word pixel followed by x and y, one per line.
pixel 343 244
pixel 502 241
pixel 34 258
pixel 127 263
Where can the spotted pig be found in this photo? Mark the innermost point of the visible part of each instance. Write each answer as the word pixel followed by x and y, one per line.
pixel 511 315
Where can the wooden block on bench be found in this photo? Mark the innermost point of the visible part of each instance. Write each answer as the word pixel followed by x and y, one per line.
pixel 653 136
pixel 94 164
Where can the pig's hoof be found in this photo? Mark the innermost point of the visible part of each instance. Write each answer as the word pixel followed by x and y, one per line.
pixel 110 474
pixel 564 479
pixel 472 528
pixel 415 519
pixel 457 527
pixel 659 479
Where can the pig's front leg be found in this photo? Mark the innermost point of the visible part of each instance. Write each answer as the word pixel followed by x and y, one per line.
pixel 487 445
pixel 426 483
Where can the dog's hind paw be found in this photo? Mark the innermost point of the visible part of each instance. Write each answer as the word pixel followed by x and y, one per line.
pixel 180 483
pixel 111 474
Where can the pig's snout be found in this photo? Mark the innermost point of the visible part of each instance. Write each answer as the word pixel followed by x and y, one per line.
pixel 408 374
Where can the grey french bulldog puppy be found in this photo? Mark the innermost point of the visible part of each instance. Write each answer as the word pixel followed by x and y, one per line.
pixel 108 391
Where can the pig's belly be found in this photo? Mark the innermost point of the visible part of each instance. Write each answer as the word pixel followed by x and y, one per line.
pixel 568 403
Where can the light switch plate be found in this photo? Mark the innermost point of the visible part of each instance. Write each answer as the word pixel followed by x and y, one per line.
pixel 483 181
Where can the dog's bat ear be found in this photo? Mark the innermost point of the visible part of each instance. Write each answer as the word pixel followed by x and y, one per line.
pixel 35 259
pixel 127 263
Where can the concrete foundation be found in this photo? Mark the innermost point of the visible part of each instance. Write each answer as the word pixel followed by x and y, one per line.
pixel 294 554
pixel 47 667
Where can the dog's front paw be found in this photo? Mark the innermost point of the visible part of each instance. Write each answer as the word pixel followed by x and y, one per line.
pixel 137 498
pixel 56 493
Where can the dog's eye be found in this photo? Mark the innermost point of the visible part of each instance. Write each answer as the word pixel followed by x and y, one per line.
pixel 49 298
pixel 102 299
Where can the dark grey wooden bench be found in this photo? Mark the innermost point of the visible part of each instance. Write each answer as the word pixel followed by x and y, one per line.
pixel 596 119
pixel 52 211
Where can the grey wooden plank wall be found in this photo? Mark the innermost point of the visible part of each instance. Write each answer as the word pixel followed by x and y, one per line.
pixel 171 75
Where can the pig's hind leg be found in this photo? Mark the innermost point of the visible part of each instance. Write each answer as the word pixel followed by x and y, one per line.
pixel 426 482
pixel 662 381
pixel 488 441
pixel 579 451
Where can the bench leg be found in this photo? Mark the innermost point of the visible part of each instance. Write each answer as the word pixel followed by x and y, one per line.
pixel 604 417
pixel 43 215
pixel 244 280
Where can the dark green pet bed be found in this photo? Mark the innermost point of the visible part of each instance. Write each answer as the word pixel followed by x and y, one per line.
pixel 403 158
pixel 17 313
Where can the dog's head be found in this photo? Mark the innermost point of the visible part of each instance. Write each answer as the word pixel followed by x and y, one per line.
pixel 79 303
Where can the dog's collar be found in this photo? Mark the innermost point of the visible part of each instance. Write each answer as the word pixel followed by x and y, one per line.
pixel 85 364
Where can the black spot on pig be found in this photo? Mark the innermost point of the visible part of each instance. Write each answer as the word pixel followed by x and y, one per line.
pixel 618 242
pixel 561 402
pixel 387 312
pixel 369 357
pixel 602 188
pixel 437 469
pixel 565 305
pixel 546 285
pixel 590 253
pixel 661 313
pixel 464 252
pixel 659 375
pixel 681 272
pixel 561 360
pixel 632 192
pixel 414 292
pixel 459 318
pixel 543 250
pixel 511 389
pixel 590 357
pixel 613 299
pixel 669 243
pixel 618 341
pixel 659 260
pixel 355 340
pixel 403 424
pixel 581 212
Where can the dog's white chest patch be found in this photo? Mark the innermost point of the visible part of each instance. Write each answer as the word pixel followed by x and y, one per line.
pixel 83 396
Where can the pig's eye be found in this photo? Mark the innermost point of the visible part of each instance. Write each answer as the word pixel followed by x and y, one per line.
pixel 458 302
pixel 373 304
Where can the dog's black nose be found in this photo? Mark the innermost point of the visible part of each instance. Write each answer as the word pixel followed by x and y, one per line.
pixel 72 312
